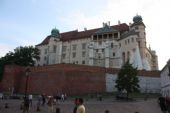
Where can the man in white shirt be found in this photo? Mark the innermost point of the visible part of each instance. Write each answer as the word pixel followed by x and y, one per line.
pixel 30 99
pixel 81 107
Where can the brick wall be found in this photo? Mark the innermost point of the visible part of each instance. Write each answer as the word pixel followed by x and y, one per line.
pixel 54 79
pixel 61 78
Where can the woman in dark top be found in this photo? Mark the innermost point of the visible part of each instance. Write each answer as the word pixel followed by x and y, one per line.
pixel 76 104
pixel 162 103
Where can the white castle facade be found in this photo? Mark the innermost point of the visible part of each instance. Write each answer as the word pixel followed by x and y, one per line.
pixel 109 46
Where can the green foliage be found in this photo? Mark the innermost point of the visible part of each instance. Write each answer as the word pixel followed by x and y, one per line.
pixel 127 79
pixel 23 56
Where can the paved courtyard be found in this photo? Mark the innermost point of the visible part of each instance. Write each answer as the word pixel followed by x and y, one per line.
pixel 92 106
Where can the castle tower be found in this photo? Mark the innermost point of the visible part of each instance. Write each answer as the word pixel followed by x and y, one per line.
pixel 54 47
pixel 139 27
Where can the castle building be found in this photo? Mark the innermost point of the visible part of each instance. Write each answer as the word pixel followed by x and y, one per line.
pixel 165 79
pixel 109 46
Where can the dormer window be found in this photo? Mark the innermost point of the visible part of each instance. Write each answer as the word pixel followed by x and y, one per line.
pixel 136 28
pixel 95 37
pixel 110 35
pixel 105 36
pixel 99 37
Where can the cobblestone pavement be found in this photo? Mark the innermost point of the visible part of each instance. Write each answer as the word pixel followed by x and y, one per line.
pixel 92 106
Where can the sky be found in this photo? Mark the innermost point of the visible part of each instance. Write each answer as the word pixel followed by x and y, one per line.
pixel 28 22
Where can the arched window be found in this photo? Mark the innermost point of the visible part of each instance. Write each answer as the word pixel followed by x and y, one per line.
pixel 123 57
pixel 128 55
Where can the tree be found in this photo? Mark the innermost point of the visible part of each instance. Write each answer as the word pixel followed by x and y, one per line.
pixel 23 56
pixel 26 56
pixel 127 79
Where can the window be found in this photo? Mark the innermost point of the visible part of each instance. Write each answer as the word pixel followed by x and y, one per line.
pixel 45 58
pixel 63 56
pixel 99 56
pixel 125 42
pixel 110 35
pixel 83 62
pixel 111 45
pixel 133 49
pixel 105 36
pixel 128 55
pixel 128 41
pixel 136 28
pixel 54 48
pixel 95 37
pixel 97 50
pixel 74 55
pixel 74 47
pixel 102 50
pixel 132 40
pixel 84 46
pixel 139 43
pixel 45 51
pixel 100 36
pixel 83 54
pixel 123 55
pixel 64 48
pixel 119 44
pixel 113 54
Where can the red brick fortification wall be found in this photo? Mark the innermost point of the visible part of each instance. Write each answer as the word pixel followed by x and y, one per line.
pixel 56 79
pixel 11 78
pixel 60 78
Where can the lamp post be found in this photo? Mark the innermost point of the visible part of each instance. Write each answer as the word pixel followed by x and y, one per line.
pixel 27 72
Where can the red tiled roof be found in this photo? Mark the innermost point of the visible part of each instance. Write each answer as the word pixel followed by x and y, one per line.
pixel 45 41
pixel 73 35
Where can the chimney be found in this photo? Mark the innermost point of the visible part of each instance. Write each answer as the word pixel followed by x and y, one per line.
pixel 103 24
pixel 108 24
pixel 85 29
pixel 119 22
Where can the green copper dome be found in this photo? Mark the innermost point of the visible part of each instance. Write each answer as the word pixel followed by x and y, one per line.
pixel 55 32
pixel 137 19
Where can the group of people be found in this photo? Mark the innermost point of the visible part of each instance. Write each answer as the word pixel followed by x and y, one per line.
pixel 79 107
pixel 51 101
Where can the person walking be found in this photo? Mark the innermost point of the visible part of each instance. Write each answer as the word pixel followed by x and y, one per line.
pixel 26 105
pixel 76 105
pixel 81 107
pixel 43 99
pixel 162 104
pixel 50 104
pixel 30 99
